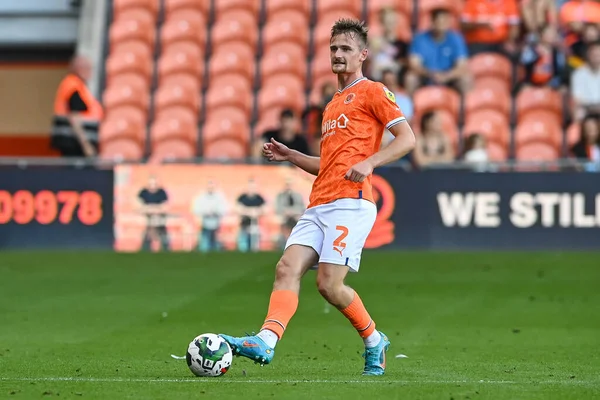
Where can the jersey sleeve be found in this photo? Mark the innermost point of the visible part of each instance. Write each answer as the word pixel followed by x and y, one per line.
pixel 384 107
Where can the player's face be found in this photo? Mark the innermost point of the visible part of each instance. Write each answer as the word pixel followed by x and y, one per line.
pixel 346 54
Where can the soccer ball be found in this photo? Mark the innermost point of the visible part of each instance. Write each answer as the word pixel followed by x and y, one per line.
pixel 209 355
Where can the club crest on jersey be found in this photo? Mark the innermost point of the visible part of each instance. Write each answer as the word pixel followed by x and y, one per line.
pixel 349 98
pixel 391 97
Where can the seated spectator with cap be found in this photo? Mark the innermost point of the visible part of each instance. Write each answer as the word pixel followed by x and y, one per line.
pixel 77 113
pixel 286 134
pixel 438 56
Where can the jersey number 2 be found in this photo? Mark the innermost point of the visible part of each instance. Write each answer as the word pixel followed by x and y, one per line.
pixel 339 242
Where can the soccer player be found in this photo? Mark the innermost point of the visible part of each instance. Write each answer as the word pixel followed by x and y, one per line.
pixel 332 231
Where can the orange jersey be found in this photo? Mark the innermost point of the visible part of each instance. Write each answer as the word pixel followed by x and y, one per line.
pixel 353 125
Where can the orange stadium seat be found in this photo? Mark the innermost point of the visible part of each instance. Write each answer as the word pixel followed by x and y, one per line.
pixel 126 63
pixel 223 7
pixel 485 98
pixel 283 60
pixel 490 123
pixel 317 87
pixel 122 6
pixel 338 6
pixel 121 126
pixel 497 152
pixel 268 119
pixel 137 14
pixel 187 5
pixel 131 113
pixel 273 7
pixel 177 95
pixel 140 49
pixel 217 128
pixel 128 78
pixel 538 131
pixel 235 26
pixel 494 83
pixel 233 92
pixel 321 67
pixel 490 65
pixel 228 113
pixel 181 80
pixel 238 58
pixel 282 91
pixel 174 149
pixel 430 98
pixel 126 95
pixel 286 27
pixel 132 30
pixel 175 124
pixel 121 149
pixel 536 151
pixel 225 149
pixel 535 99
pixel 180 62
pixel 184 26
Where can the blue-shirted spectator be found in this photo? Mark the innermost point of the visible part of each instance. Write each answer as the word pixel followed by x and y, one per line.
pixel 439 56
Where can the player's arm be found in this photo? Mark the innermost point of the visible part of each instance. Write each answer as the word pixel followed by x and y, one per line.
pixel 402 144
pixel 275 151
pixel 308 163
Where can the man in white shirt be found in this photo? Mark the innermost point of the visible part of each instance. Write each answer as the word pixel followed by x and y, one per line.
pixel 585 84
pixel 210 207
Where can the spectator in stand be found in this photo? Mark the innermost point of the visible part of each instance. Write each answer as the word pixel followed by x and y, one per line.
pixel 289 206
pixel 388 51
pixel 585 84
pixel 433 146
pixel 438 56
pixel 250 207
pixel 589 35
pixel 286 133
pixel 491 26
pixel 77 113
pixel 153 204
pixel 210 207
pixel 475 152
pixel 588 146
pixel 538 14
pixel 545 64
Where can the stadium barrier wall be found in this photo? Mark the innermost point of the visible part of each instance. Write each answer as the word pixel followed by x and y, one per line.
pixel 437 210
pixel 61 207
pixel 56 208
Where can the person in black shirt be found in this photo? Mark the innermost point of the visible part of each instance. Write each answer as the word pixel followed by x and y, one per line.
pixel 154 199
pixel 250 206
pixel 286 134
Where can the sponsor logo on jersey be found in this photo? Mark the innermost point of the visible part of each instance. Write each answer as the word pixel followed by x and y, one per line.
pixel 391 97
pixel 328 128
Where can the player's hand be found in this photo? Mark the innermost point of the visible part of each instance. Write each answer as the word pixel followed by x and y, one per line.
pixel 275 151
pixel 359 172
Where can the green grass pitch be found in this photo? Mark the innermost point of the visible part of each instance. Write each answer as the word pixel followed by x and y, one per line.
pixel 473 325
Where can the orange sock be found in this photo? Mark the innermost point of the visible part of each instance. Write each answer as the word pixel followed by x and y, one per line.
pixel 282 307
pixel 359 317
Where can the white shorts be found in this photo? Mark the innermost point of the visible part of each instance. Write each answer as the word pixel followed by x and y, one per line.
pixel 337 231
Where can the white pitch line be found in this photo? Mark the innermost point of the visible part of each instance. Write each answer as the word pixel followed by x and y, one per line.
pixel 271 381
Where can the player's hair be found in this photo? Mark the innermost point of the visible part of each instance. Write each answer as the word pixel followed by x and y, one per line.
pixel 352 27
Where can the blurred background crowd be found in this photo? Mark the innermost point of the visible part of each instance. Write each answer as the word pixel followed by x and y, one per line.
pixel 479 80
